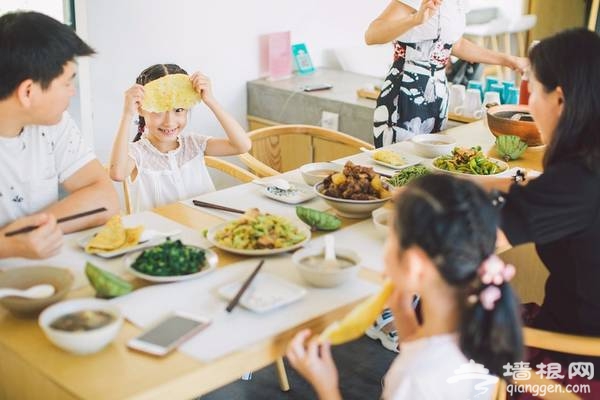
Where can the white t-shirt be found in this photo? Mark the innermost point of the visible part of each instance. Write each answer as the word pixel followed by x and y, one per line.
pixel 164 178
pixel 434 368
pixel 450 19
pixel 33 164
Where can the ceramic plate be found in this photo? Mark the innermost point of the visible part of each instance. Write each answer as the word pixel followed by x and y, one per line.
pixel 210 264
pixel 298 194
pixel 266 292
pixel 499 163
pixel 210 235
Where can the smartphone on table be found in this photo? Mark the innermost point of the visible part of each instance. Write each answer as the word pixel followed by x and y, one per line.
pixel 168 333
pixel 316 86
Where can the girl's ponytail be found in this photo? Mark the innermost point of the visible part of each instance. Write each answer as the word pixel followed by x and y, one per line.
pixel 490 329
pixel 140 130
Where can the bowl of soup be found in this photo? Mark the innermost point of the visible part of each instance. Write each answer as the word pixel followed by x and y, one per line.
pixel 431 145
pixel 313 268
pixel 314 173
pixel 81 326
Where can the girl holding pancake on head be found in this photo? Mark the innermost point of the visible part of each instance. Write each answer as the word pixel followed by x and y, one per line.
pixel 163 164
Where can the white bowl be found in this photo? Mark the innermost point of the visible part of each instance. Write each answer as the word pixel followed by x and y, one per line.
pixel 326 277
pixel 351 208
pixel 424 146
pixel 381 220
pixel 310 175
pixel 82 342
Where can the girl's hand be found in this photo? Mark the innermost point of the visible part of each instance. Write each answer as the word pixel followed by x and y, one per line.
pixel 43 242
pixel 133 99
pixel 314 362
pixel 426 11
pixel 201 84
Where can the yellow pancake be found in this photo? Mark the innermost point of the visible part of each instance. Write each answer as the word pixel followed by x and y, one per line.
pixel 110 237
pixel 169 92
pixel 132 236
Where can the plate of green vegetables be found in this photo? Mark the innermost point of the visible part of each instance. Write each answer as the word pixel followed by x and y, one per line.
pixel 171 261
pixel 469 161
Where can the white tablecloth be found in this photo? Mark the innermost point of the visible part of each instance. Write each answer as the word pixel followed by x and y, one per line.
pixel 234 331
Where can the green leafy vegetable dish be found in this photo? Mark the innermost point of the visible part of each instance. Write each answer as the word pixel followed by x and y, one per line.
pixel 469 161
pixel 256 231
pixel 171 258
pixel 403 177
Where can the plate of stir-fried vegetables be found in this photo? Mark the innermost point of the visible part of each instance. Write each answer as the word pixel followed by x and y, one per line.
pixel 257 234
pixel 469 161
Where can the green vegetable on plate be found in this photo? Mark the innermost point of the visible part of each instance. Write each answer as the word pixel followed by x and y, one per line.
pixel 404 176
pixel 171 258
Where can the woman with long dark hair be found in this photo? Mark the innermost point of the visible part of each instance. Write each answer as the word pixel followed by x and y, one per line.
pixel 560 210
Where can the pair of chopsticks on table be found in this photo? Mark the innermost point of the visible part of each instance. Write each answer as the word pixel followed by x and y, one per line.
pixel 60 220
pixel 236 299
pixel 204 204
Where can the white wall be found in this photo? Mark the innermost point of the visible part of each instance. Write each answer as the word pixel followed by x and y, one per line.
pixel 220 38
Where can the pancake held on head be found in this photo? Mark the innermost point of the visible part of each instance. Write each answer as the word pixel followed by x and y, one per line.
pixel 170 92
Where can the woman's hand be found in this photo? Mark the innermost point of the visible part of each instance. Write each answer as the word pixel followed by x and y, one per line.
pixel 43 242
pixel 133 99
pixel 519 64
pixel 426 11
pixel 202 85
pixel 314 362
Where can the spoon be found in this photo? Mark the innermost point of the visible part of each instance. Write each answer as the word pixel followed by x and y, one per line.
pixel 149 234
pixel 279 183
pixel 34 292
pixel 365 150
pixel 330 261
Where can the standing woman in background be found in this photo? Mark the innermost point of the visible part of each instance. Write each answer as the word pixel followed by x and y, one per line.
pixel 414 95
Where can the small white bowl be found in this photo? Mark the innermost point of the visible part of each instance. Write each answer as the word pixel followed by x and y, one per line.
pixel 351 208
pixel 431 145
pixel 381 220
pixel 314 173
pixel 326 277
pixel 82 342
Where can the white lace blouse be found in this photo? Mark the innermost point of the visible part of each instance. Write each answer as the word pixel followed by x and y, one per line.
pixel 164 178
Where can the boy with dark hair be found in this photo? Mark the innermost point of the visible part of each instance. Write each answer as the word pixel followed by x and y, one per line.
pixel 40 145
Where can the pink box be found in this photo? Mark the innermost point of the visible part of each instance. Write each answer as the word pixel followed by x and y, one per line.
pixel 276 55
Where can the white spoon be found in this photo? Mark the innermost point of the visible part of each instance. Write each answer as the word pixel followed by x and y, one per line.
pixel 34 292
pixel 330 261
pixel 365 150
pixel 279 183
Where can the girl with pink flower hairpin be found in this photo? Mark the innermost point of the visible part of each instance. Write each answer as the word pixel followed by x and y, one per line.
pixel 441 246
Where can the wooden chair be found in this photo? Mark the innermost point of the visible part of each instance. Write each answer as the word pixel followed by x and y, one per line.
pixel 560 342
pixel 286 147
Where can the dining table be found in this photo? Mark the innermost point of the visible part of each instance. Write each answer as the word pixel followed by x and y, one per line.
pixel 31 367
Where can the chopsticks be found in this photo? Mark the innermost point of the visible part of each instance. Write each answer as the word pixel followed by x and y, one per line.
pixel 245 286
pixel 60 220
pixel 199 203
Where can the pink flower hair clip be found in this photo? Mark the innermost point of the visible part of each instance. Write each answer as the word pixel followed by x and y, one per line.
pixel 493 272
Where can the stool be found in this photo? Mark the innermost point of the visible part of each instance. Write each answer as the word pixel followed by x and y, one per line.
pixel 520 27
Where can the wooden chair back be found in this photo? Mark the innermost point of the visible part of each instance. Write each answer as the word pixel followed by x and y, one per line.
pixel 286 147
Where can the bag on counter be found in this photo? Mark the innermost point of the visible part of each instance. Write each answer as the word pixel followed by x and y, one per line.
pixel 461 72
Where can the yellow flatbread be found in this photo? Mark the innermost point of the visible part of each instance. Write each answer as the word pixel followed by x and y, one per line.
pixel 113 236
pixel 169 92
